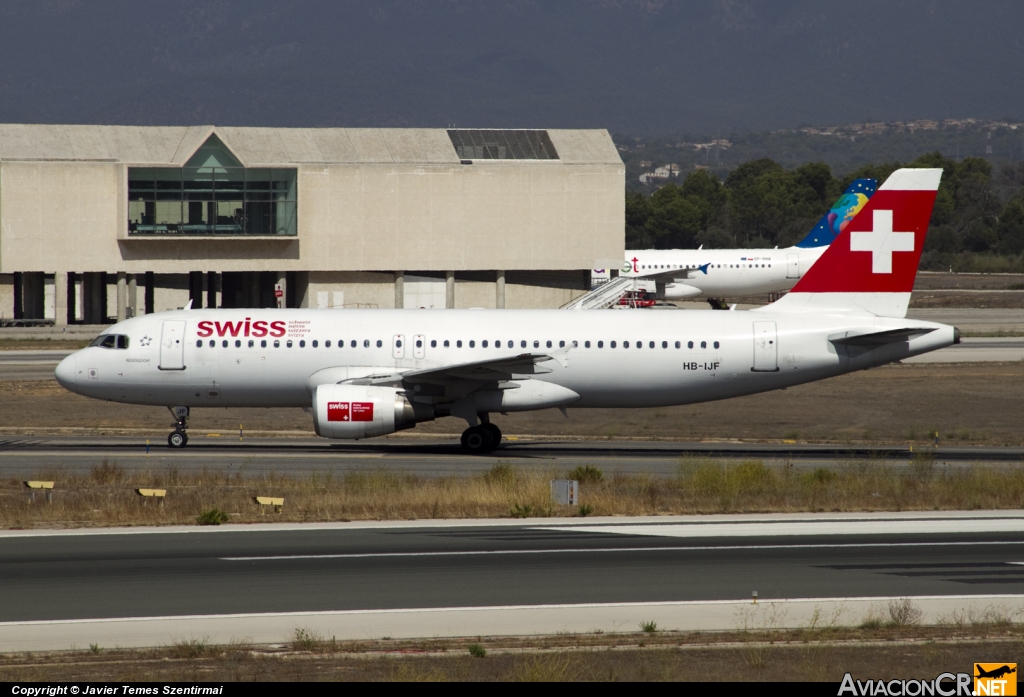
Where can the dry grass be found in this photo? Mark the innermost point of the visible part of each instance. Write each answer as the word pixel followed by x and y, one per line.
pixel 107 496
pixel 790 655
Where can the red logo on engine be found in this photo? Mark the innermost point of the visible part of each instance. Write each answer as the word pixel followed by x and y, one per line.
pixel 350 411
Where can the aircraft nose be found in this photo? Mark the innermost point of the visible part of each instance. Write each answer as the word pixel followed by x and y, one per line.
pixel 67 373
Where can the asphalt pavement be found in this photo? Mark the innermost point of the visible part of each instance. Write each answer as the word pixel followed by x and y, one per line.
pixel 27 456
pixel 119 582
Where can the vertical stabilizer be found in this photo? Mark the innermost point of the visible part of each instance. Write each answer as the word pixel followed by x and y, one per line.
pixel 871 267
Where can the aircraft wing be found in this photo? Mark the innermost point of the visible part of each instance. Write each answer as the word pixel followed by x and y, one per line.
pixel 492 370
pixel 671 274
pixel 872 339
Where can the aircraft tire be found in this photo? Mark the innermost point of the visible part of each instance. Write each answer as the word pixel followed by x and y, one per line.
pixel 495 434
pixel 177 439
pixel 477 440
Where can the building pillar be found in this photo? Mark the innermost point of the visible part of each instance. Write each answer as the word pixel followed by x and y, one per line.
pixel 150 292
pixel 122 296
pixel 95 298
pixel 281 290
pixel 60 299
pixel 499 290
pixel 449 290
pixel 133 295
pixel 213 289
pixel 254 288
pixel 19 296
pixel 399 290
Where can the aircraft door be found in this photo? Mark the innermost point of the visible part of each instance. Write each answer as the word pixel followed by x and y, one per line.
pixel 398 346
pixel 419 346
pixel 172 345
pixel 766 348
pixel 792 266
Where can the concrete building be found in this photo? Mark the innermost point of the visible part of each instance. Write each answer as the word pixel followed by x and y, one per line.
pixel 102 222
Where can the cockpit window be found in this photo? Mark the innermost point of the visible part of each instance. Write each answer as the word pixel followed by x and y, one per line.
pixel 114 341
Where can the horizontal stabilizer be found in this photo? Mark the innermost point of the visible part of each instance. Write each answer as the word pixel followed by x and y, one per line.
pixel 889 336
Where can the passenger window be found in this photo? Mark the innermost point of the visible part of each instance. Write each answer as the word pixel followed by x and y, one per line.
pixel 366 343
pixel 316 343
pixel 600 344
pixel 398 343
pixel 446 343
pixel 561 344
pixel 511 344
pixel 380 343
pixel 302 343
pixel 419 343
pixel 458 344
pixel 238 343
pixel 689 344
pixel 327 344
pixel 679 345
pixel 251 343
pixel 586 344
pixel 277 343
pixel 536 344
pixel 612 344
pixel 354 344
pixel 199 343
pixel 522 344
pixel 472 343
pixel 650 345
pixel 212 343
pixel 433 343
pixel 664 344
pixel 482 343
pixel 575 344
pixel 703 344
pixel 289 343
pixel 716 344
pixel 224 343
pixel 625 344
pixel 263 343
pixel 549 344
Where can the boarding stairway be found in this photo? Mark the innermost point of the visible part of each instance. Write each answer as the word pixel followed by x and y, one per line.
pixel 604 296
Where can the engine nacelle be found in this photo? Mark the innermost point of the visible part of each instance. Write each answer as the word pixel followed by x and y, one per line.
pixel 364 411
pixel 677 291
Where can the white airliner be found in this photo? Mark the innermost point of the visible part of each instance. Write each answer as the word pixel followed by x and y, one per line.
pixel 729 273
pixel 372 372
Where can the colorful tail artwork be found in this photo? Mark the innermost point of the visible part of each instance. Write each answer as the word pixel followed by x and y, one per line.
pixel 842 212
pixel 872 265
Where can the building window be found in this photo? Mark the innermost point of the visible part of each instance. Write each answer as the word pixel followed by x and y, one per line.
pixel 213 194
pixel 497 144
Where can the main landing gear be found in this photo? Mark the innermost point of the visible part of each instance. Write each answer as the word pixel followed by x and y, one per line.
pixel 481 439
pixel 178 438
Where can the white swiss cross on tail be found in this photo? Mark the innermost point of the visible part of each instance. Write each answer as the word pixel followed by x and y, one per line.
pixel 892 227
pixel 881 241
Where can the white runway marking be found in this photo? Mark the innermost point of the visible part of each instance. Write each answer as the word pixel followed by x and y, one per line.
pixel 810 528
pixel 385 555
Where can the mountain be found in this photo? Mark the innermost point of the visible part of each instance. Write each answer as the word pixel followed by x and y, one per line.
pixel 637 66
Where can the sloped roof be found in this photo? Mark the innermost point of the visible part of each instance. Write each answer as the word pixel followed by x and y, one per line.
pixel 173 145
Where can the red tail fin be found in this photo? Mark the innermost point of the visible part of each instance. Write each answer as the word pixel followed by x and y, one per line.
pixel 872 265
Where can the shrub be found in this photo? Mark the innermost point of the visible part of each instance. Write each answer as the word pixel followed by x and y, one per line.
pixel 586 474
pixel 524 511
pixel 213 516
pixel 903 613
pixel 585 509
pixel 477 651
pixel 650 627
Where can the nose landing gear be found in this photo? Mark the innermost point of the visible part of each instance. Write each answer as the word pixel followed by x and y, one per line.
pixel 178 438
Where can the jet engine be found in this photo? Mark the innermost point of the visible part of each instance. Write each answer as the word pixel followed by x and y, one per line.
pixel 364 411
pixel 676 291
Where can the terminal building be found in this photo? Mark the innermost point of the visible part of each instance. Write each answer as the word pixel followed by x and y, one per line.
pixel 100 223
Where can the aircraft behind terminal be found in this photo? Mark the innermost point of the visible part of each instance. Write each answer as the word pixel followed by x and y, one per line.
pixel 728 273
pixel 368 373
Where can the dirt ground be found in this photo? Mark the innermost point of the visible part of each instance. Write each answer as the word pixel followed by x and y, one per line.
pixel 807 655
pixel 970 403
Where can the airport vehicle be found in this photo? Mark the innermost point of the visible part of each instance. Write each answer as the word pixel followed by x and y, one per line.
pixel 368 373
pixel 727 273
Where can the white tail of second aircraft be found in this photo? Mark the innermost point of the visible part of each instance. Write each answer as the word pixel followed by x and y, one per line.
pixel 871 267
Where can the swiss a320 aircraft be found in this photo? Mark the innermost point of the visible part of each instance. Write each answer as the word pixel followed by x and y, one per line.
pixel 729 273
pixel 368 373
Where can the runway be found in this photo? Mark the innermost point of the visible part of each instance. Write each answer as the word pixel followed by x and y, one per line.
pixel 439 457
pixel 148 586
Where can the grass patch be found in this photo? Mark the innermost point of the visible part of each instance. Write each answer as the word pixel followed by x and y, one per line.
pixel 585 474
pixel 106 496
